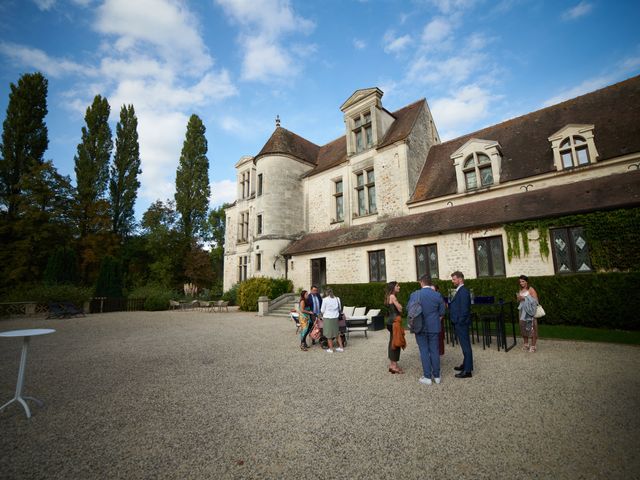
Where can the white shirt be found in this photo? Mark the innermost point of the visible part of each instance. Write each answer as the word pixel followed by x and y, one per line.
pixel 330 307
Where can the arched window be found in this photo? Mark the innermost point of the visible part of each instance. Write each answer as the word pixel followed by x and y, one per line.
pixel 574 152
pixel 477 171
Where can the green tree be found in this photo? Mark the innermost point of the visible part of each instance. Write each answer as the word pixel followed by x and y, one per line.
pixel 217 221
pixel 165 244
pixel 92 162
pixel 92 175
pixel 124 184
pixel 192 182
pixel 62 267
pixel 24 136
pixel 110 280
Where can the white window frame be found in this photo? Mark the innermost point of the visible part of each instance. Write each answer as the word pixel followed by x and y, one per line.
pixel 569 132
pixel 475 146
pixel 366 188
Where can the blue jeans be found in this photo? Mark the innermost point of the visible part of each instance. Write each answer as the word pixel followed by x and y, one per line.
pixel 429 346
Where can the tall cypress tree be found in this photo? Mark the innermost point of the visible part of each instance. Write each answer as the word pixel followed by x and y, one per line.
pixel 24 136
pixel 192 182
pixel 92 164
pixel 124 184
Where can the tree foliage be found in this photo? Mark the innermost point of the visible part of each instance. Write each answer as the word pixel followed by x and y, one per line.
pixel 24 136
pixel 124 183
pixel 92 162
pixel 110 280
pixel 165 244
pixel 192 182
pixel 62 267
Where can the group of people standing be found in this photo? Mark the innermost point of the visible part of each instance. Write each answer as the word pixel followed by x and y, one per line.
pixel 426 309
pixel 427 320
pixel 313 308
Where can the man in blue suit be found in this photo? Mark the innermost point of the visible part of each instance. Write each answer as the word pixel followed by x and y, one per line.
pixel 460 314
pixel 428 330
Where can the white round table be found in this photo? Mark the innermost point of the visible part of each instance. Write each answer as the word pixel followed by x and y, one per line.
pixel 26 335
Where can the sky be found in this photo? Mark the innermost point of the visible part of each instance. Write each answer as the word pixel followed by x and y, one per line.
pixel 239 63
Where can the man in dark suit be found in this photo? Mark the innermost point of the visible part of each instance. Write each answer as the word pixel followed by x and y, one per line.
pixel 428 332
pixel 460 314
pixel 313 302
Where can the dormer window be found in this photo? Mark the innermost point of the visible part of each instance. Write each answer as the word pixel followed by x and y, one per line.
pixel 573 146
pixel 477 171
pixel 363 132
pixel 477 164
pixel 574 152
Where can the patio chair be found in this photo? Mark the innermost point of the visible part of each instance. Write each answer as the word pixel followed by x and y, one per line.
pixel 56 311
pixel 223 304
pixel 373 312
pixel 174 305
pixel 204 305
pixel 358 321
pixel 348 311
pixel 71 310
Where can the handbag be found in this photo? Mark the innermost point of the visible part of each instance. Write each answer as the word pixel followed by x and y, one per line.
pixel 539 312
pixel 315 331
pixel 342 320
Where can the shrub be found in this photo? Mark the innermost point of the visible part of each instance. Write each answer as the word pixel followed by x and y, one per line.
pixel 156 302
pixel 250 290
pixel 231 295
pixel 591 300
pixel 49 293
pixel 156 297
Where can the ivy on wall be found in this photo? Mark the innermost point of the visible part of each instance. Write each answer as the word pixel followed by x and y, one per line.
pixel 613 237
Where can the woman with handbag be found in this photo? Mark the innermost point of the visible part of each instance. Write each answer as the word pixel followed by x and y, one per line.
pixel 394 325
pixel 303 318
pixel 528 298
pixel 330 310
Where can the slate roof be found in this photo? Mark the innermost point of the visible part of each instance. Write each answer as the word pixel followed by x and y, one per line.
pixel 573 198
pixel 282 141
pixel 614 111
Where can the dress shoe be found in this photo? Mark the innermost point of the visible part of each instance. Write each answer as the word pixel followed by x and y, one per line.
pixel 464 375
pixel 459 368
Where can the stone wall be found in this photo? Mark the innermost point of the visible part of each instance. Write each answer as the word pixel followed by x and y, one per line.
pixel 455 252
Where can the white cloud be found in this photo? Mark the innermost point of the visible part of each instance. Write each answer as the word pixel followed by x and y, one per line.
pixel 393 44
pixel 624 68
pixel 167 26
pixel 222 191
pixel 263 25
pixel 580 10
pixel 460 110
pixel 453 6
pixel 359 44
pixel 437 30
pixel 452 70
pixel 44 4
pixel 39 60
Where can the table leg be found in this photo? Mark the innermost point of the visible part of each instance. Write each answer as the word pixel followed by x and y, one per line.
pixel 18 397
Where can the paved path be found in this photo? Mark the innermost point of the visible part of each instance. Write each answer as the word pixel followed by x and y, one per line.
pixel 208 395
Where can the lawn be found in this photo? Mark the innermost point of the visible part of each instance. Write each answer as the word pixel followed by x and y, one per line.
pixel 567 332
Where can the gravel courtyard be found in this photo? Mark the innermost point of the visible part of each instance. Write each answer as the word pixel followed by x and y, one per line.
pixel 193 395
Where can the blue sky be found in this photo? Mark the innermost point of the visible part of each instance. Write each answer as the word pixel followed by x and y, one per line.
pixel 239 63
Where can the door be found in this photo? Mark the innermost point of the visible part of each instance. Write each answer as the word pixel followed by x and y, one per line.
pixel 319 272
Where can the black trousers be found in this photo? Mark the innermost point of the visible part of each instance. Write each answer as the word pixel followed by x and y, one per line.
pixel 394 353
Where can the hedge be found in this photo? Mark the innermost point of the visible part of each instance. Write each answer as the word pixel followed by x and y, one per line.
pixel 601 300
pixel 250 290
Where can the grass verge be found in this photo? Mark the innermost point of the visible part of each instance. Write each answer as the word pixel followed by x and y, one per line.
pixel 589 334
